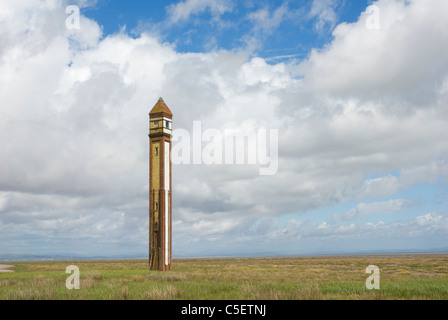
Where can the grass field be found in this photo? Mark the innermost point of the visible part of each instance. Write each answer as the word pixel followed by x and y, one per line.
pixel 402 277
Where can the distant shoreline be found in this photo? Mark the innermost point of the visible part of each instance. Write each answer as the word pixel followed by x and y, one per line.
pixel 35 258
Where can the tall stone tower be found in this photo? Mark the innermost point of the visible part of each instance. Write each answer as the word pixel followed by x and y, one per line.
pixel 160 255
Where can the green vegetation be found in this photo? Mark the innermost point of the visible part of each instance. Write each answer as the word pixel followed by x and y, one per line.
pixel 402 277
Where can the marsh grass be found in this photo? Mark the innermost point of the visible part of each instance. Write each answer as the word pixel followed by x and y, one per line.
pixel 158 292
pixel 315 278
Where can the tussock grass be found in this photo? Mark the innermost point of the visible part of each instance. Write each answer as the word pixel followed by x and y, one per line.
pixel 167 276
pixel 5 283
pixel 168 292
pixel 315 278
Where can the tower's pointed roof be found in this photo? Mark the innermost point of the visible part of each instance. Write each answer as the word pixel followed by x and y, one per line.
pixel 160 109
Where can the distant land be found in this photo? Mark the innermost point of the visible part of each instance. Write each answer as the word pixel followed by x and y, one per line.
pixel 61 257
pixel 29 257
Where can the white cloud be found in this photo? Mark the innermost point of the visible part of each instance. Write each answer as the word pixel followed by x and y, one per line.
pixel 390 63
pixel 417 227
pixel 265 22
pixel 324 13
pixel 73 129
pixel 383 207
pixel 183 10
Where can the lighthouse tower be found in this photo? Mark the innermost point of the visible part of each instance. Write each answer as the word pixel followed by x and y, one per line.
pixel 160 254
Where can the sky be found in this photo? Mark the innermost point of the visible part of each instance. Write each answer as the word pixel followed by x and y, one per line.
pixel 357 91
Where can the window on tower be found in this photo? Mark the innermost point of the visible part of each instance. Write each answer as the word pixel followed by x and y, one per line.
pixel 167 124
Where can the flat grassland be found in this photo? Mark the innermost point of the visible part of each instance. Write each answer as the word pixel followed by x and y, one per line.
pixel 324 277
